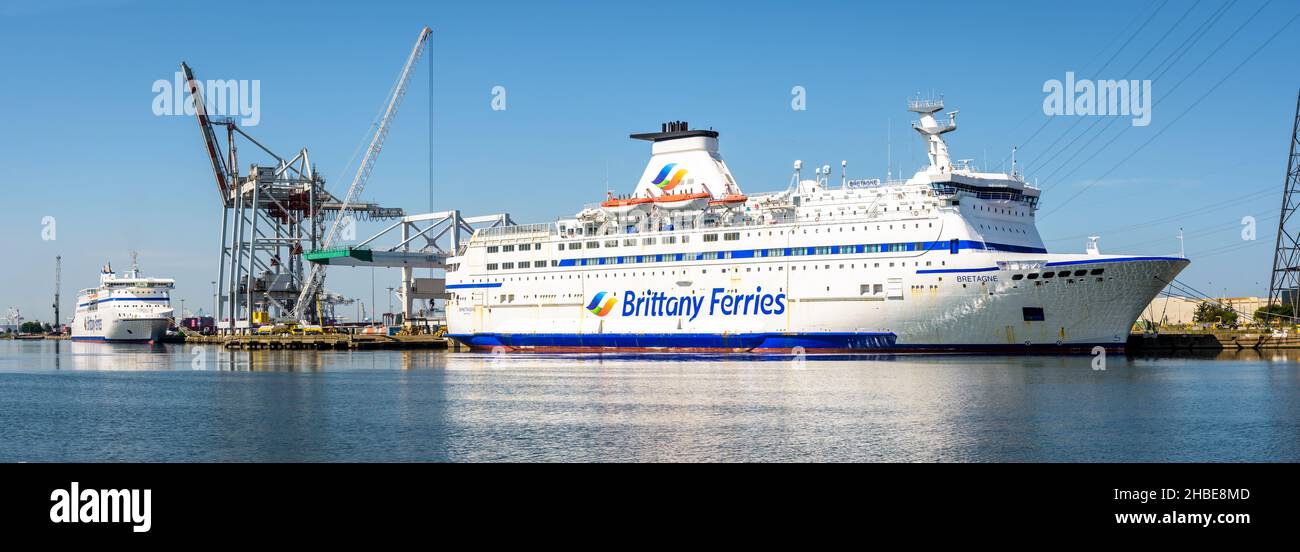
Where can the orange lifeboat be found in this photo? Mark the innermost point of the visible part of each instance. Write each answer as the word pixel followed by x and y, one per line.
pixel 730 200
pixel 624 205
pixel 682 201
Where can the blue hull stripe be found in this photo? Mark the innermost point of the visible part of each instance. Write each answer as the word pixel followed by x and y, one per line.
pixel 791 251
pixel 105 300
pixel 952 270
pixel 683 341
pixel 1116 260
pixel 853 342
pixel 472 286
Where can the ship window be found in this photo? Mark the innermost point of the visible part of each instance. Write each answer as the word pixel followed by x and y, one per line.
pixel 731 236
pixel 1097 271
pixel 1048 274
pixel 630 241
pixel 559 246
pixel 1018 277
pixel 492 249
pixel 507 266
pixel 1034 314
pixel 611 243
pixel 507 248
pixel 647 241
pixel 1032 276
pixel 710 237
pixel 670 239
pixel 1080 272
pixel 525 246
pixel 492 266
pixel 593 245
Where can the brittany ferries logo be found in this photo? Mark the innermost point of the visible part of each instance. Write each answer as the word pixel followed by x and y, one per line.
pixel 601 304
pixel 720 302
pixel 664 182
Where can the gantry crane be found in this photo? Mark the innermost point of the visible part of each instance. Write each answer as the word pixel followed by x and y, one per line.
pixel 316 274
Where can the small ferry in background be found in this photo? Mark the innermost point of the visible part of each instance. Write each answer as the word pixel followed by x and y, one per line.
pixel 130 309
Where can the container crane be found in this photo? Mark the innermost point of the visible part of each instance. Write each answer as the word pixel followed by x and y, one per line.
pixel 58 277
pixel 317 274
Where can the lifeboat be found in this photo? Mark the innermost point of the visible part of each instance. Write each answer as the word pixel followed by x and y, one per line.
pixel 730 200
pixel 622 206
pixel 677 202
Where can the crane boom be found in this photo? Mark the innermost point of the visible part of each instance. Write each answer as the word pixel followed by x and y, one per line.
pixel 367 164
pixel 209 138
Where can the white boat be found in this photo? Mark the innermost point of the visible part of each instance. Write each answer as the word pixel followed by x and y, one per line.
pixel 947 260
pixel 132 309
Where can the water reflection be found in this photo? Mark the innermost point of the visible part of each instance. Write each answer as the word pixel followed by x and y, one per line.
pixel 170 402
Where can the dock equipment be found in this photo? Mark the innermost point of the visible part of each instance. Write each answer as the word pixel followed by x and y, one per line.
pixel 426 241
pixel 274 213
pixel 316 276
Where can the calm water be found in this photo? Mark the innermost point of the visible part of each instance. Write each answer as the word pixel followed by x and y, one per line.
pixel 62 401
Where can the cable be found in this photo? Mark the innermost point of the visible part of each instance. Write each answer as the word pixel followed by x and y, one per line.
pixel 1198 101
pixel 1161 68
pixel 1141 58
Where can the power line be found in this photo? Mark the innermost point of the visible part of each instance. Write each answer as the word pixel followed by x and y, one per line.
pixel 1112 57
pixel 1143 57
pixel 1173 217
pixel 1198 101
pixel 1160 69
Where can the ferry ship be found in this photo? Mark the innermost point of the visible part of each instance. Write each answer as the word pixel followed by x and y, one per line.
pixel 948 260
pixel 132 309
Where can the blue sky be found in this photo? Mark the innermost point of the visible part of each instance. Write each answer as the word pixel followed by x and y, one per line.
pixel 79 142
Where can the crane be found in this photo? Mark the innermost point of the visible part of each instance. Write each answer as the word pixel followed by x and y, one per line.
pixel 317 274
pixel 58 275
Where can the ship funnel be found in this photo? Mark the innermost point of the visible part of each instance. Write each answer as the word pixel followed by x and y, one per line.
pixel 684 161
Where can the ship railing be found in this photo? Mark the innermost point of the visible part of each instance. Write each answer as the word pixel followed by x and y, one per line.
pixel 1027 264
pixel 520 230
pixel 925 104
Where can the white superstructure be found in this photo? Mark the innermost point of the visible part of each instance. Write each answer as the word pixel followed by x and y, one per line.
pixel 129 309
pixel 949 259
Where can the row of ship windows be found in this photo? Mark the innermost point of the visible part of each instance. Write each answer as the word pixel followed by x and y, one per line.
pixel 716 255
pixel 1063 274
pixel 780 268
pixel 668 240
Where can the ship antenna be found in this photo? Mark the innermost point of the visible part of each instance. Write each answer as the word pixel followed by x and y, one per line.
pixel 889 150
pixel 1013 160
pixel 135 265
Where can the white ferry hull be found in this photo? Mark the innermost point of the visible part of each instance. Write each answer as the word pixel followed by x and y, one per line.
pixel 949 260
pixel 937 311
pixel 123 310
pixel 142 330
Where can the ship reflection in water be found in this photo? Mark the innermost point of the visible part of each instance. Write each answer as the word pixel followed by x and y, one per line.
pixel 96 402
